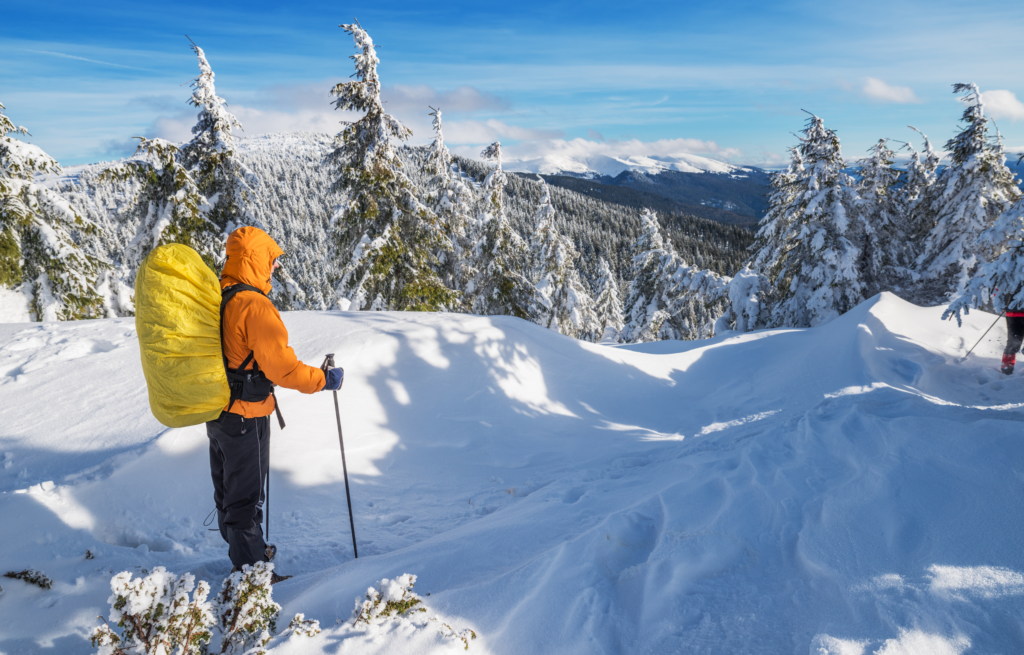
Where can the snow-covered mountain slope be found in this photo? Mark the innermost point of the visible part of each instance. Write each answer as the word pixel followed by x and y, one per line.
pixel 604 165
pixel 851 488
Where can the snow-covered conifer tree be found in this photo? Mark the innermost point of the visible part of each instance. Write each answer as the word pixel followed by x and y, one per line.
pixel 746 301
pixel 885 258
pixel 998 282
pixel 607 304
pixel 387 237
pixel 38 252
pixel 210 155
pixel 649 302
pixel 973 190
pixel 168 206
pixel 919 178
pixel 501 286
pixel 809 245
pixel 451 200
pixel 565 304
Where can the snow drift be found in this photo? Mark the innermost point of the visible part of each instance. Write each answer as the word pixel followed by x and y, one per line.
pixel 850 488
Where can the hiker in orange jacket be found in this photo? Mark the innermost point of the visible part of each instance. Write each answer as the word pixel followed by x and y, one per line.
pixel 257 356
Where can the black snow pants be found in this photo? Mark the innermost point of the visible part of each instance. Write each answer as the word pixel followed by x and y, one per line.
pixel 1014 334
pixel 239 464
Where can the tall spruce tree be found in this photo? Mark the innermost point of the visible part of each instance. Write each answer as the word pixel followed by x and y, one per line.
pixel 38 252
pixel 565 304
pixel 387 237
pixel 972 191
pixel 998 282
pixel 809 246
pixel 920 176
pixel 885 253
pixel 167 208
pixel 607 304
pixel 649 302
pixel 451 199
pixel 501 285
pixel 211 157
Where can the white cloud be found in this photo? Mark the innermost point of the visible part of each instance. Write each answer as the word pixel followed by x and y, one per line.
pixel 877 89
pixel 1003 104
pixel 308 108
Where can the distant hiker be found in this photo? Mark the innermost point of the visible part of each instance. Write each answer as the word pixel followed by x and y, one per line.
pixel 257 356
pixel 1014 338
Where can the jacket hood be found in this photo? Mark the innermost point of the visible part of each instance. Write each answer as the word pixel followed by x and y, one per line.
pixel 251 254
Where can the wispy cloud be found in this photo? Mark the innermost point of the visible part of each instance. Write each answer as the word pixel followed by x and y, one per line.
pixel 1003 104
pixel 307 108
pixel 877 89
pixel 91 61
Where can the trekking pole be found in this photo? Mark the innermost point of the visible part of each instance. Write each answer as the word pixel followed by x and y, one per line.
pixel 982 337
pixel 329 363
pixel 266 504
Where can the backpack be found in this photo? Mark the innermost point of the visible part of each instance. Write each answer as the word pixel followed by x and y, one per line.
pixel 177 318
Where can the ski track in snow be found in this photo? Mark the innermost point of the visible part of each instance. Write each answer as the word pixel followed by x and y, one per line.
pixel 847 489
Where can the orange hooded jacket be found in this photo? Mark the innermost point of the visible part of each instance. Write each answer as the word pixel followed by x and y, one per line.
pixel 252 323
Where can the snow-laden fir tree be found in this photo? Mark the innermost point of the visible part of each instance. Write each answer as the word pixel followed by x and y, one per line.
pixel 387 237
pixel 451 200
pixel 501 285
pixel 697 299
pixel 998 282
pixel 211 155
pixel 747 303
pixel 168 207
pixel 885 252
pixel 38 251
pixel 972 191
pixel 565 304
pixel 649 301
pixel 918 180
pixel 607 304
pixel 776 224
pixel 810 242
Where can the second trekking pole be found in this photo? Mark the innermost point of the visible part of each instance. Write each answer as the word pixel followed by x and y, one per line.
pixel 329 363
pixel 962 359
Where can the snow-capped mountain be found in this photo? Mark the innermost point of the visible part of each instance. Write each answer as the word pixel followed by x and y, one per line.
pixel 593 166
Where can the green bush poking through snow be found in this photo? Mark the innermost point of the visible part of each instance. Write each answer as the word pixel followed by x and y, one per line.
pixel 156 616
pixel 30 576
pixel 246 611
pixel 393 601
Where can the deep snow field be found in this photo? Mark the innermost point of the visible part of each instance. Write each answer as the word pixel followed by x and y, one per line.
pixel 846 489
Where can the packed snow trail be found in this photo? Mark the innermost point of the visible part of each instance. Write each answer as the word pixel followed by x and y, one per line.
pixel 845 489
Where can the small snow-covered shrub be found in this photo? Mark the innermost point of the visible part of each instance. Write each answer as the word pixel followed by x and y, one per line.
pixel 464 636
pixel 300 625
pixel 30 576
pixel 156 616
pixel 393 602
pixel 246 611
pixel 395 598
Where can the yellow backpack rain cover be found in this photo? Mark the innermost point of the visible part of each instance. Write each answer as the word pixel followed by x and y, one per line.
pixel 177 317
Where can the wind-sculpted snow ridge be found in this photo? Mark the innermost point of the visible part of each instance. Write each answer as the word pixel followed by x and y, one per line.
pixel 851 488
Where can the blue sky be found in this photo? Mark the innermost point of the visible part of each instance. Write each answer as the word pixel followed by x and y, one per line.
pixel 725 79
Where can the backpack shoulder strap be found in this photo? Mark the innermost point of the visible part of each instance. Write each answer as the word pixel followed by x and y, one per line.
pixel 225 296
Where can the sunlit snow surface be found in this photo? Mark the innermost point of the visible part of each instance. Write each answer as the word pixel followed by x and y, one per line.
pixel 847 489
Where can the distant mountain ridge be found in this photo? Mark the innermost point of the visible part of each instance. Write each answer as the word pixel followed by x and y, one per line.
pixel 592 166
pixel 702 186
